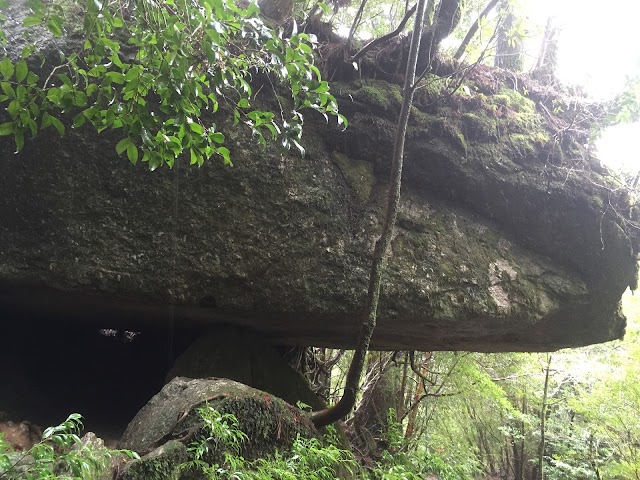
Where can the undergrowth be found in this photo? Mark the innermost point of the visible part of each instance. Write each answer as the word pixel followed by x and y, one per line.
pixel 59 455
pixel 309 458
pixel 216 455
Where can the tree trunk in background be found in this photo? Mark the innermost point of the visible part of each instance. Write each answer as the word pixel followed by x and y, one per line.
pixel 379 395
pixel 446 18
pixel 517 445
pixel 403 386
pixel 323 377
pixel 474 28
pixel 507 458
pixel 543 413
pixel 411 422
pixel 547 63
pixel 508 49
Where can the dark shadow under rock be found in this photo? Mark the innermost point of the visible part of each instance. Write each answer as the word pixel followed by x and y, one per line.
pixel 239 354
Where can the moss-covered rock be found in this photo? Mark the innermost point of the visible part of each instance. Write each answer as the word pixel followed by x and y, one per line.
pixel 283 244
pixel 163 463
pixel 269 422
pixel 379 94
pixel 358 174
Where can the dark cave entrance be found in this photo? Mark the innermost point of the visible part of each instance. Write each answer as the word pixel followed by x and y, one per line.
pixel 52 367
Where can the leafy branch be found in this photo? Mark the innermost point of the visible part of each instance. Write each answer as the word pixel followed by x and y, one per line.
pixel 187 68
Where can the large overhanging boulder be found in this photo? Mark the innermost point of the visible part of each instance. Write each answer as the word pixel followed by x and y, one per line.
pixel 510 236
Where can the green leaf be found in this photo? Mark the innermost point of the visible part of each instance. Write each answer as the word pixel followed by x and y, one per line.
pixel 30 21
pixel 79 120
pixel 21 70
pixel 6 68
pixel 322 88
pixel 132 153
pixel 243 103
pixel 217 137
pixel 58 125
pixel 54 95
pixel 13 108
pixel 115 77
pixel 225 154
pixel 21 93
pixel 33 126
pixel 194 156
pixel 19 139
pixel 306 49
pixel 54 24
pixel 123 145
pixel 46 120
pixel 8 89
pixel 32 78
pixel 65 80
pixel 6 129
pixel 196 128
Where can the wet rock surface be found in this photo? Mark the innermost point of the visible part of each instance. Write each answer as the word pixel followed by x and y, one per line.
pixel 510 235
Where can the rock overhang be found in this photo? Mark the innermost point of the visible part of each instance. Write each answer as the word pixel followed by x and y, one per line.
pixel 282 245
pixel 501 243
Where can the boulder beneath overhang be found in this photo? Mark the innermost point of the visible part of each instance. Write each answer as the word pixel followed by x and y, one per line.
pixel 508 238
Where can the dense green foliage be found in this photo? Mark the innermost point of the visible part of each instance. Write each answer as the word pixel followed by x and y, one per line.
pixel 473 415
pixel 314 459
pixel 308 458
pixel 167 77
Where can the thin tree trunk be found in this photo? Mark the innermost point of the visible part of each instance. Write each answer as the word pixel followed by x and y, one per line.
pixel 549 34
pixel 354 25
pixel 403 387
pixel 522 427
pixel 346 403
pixel 545 68
pixel 474 28
pixel 543 413
pixel 413 413
pixel 508 51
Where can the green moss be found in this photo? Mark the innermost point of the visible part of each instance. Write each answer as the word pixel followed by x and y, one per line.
pixel 161 464
pixel 74 14
pixel 386 96
pixel 513 100
pixel 460 141
pixel 422 121
pixel 480 125
pixel 433 86
pixel 413 223
pixel 523 145
pixel 358 174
